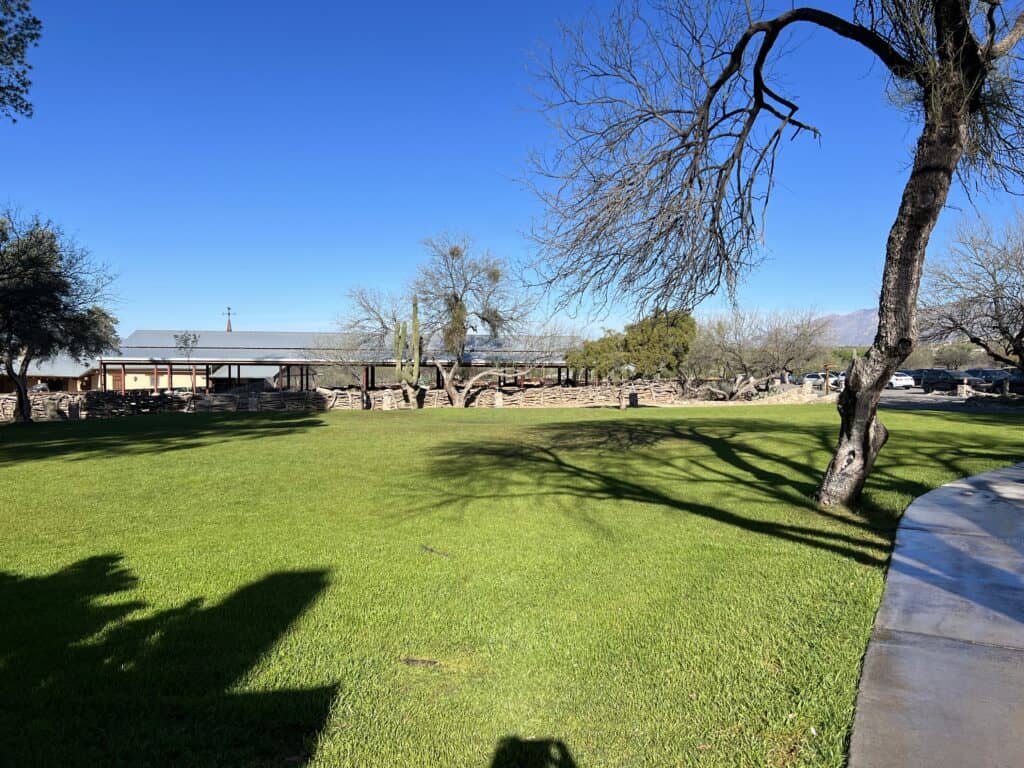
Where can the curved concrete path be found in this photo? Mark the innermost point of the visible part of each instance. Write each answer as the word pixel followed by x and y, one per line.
pixel 943 678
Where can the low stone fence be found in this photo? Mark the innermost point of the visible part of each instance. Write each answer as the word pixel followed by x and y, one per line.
pixel 62 406
pixel 595 395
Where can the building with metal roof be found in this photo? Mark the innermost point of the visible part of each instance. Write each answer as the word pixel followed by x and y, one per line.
pixel 295 359
pixel 60 373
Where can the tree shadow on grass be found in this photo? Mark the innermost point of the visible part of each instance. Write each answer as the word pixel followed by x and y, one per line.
pixel 726 469
pixel 139 435
pixel 906 459
pixel 82 683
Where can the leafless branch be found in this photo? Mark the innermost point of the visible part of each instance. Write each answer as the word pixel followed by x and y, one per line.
pixel 977 291
pixel 669 126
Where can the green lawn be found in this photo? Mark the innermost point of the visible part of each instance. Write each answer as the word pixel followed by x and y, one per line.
pixel 444 588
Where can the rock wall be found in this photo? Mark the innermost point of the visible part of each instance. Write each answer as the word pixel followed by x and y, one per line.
pixel 61 406
pixel 596 395
pixel 64 406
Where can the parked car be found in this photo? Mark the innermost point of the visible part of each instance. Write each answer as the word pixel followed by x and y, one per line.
pixel 942 380
pixel 818 380
pixel 915 374
pixel 900 380
pixel 1012 381
pixel 991 375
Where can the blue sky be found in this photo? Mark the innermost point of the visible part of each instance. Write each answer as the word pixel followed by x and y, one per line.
pixel 270 156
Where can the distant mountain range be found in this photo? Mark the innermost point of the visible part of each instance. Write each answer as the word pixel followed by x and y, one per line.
pixel 854 329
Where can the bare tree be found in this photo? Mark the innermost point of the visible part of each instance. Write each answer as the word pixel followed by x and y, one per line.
pixel 372 317
pixel 791 341
pixel 670 121
pixel 977 291
pixel 723 361
pixel 744 349
pixel 463 293
pixel 366 330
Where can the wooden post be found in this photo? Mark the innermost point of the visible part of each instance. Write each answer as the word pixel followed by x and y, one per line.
pixel 586 376
pixel 373 377
pixel 103 376
pixel 193 379
pixel 170 376
pixel 559 375
pixel 207 378
pixel 156 379
pixel 288 378
pixel 437 371
pixel 124 375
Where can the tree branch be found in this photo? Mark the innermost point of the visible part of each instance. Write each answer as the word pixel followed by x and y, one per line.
pixel 896 63
pixel 1010 39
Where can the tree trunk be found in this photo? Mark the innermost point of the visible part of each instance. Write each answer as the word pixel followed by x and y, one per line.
pixel 19 376
pixel 455 397
pixel 412 394
pixel 861 435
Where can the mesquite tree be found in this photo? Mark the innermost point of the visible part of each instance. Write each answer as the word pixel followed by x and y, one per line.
pixel 977 291
pixel 463 292
pixel 670 121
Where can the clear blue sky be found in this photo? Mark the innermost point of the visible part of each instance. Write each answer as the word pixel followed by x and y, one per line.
pixel 271 155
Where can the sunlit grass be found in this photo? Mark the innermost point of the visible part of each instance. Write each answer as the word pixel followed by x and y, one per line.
pixel 648 588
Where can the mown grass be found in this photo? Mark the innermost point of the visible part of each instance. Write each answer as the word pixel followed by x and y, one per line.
pixel 479 588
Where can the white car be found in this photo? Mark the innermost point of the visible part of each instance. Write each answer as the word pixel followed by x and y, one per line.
pixel 900 380
pixel 818 380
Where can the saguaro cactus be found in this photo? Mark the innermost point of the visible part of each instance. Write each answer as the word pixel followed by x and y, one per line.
pixel 408 351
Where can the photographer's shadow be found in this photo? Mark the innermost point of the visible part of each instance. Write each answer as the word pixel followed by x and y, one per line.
pixel 514 752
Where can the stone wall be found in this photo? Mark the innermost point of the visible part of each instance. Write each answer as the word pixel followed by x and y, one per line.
pixel 64 406
pixel 60 406
pixel 596 395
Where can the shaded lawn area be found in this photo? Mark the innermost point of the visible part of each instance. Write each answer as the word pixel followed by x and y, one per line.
pixel 491 588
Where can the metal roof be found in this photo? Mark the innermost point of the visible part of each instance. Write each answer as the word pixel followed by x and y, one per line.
pixel 58 367
pixel 254 347
pixel 306 347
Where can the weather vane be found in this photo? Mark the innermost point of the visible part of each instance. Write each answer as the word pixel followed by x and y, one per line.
pixel 229 313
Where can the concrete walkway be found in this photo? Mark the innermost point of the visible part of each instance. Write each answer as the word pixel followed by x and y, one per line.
pixel 943 680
